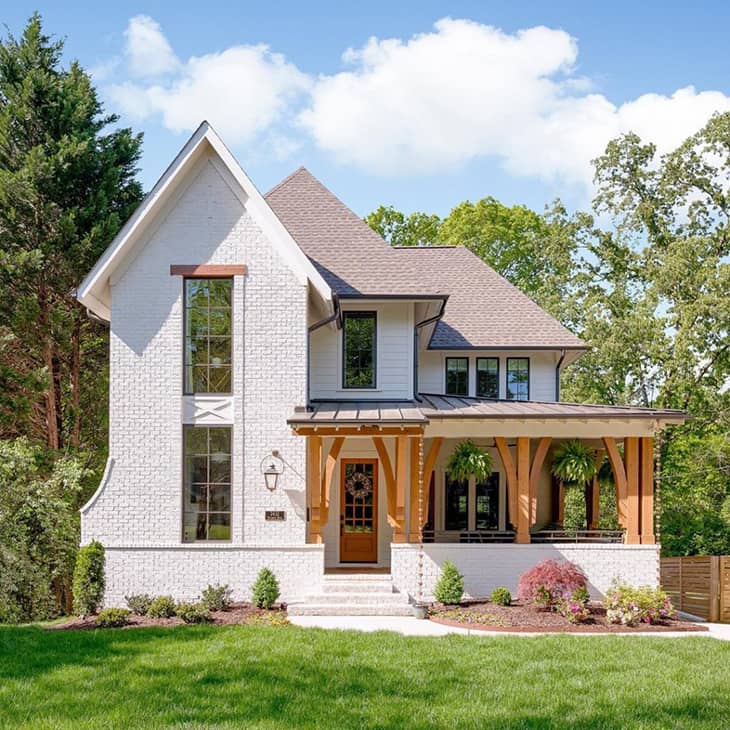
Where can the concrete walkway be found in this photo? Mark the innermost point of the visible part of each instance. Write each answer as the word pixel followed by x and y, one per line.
pixel 410 626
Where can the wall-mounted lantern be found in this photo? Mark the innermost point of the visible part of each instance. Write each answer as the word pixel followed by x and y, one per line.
pixel 272 467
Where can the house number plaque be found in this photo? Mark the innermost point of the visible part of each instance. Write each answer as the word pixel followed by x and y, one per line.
pixel 275 515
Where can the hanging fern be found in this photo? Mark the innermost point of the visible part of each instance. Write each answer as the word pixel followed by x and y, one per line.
pixel 469 460
pixel 574 463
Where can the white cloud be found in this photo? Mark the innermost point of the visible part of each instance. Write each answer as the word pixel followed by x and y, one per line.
pixel 148 51
pixel 466 90
pixel 242 91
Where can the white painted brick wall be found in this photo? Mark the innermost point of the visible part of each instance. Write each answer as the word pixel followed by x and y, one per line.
pixel 183 572
pixel 140 504
pixel 485 567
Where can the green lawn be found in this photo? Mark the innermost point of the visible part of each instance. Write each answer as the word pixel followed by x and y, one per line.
pixel 263 677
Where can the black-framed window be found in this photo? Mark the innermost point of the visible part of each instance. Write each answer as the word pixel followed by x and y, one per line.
pixel 206 483
pixel 518 378
pixel 487 503
pixel 208 335
pixel 488 377
pixel 457 376
pixel 456 512
pixel 359 335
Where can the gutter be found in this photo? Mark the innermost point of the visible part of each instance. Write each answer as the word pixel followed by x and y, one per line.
pixel 557 376
pixel 416 329
pixel 312 328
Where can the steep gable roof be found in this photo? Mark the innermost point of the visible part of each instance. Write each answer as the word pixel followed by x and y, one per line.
pixel 94 292
pixel 483 310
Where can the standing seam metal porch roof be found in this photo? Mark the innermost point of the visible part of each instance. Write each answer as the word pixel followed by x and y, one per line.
pixel 436 407
pixel 483 310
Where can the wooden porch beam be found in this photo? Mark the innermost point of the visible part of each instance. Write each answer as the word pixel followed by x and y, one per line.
pixel 537 462
pixel 390 488
pixel 329 470
pixel 619 477
pixel 646 490
pixel 596 494
pixel 314 488
pixel 511 473
pixel 429 465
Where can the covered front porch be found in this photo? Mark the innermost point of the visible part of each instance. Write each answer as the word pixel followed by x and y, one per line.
pixel 377 476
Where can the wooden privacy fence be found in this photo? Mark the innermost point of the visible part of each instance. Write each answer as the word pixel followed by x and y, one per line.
pixel 699 585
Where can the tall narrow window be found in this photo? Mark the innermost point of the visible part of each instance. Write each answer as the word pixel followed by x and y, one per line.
pixel 208 338
pixel 207 483
pixel 487 503
pixel 488 377
pixel 358 358
pixel 518 378
pixel 456 515
pixel 457 376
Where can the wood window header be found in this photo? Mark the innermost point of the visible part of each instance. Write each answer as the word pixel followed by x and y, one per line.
pixel 209 271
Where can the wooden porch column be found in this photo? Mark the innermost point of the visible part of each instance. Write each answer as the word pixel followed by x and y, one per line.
pixel 314 487
pixel 329 470
pixel 647 491
pixel 596 495
pixel 511 474
pixel 429 463
pixel 401 469
pixel 619 478
pixel 631 456
pixel 535 470
pixel 523 490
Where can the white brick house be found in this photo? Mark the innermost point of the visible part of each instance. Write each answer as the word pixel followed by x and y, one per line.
pixel 251 332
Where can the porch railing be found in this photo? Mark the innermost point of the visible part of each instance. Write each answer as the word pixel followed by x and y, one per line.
pixel 469 537
pixel 614 536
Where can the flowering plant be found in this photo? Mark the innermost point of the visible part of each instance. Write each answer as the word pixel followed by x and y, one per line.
pixel 574 606
pixel 630 606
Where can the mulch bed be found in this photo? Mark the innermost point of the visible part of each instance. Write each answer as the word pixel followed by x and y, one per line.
pixel 485 616
pixel 237 614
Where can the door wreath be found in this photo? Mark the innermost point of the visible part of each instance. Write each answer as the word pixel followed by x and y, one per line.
pixel 359 485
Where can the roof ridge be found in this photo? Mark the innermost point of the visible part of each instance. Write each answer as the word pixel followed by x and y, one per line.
pixel 289 177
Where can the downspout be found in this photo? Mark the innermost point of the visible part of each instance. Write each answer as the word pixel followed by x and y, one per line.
pixel 557 376
pixel 322 322
pixel 416 328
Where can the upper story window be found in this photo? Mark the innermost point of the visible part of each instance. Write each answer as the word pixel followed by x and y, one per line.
pixel 207 483
pixel 208 335
pixel 457 376
pixel 488 377
pixel 518 378
pixel 359 350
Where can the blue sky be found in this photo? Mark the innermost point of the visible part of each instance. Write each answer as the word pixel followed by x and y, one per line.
pixel 505 99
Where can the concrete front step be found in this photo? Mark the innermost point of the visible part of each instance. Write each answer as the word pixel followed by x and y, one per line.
pixel 347 609
pixel 342 585
pixel 365 598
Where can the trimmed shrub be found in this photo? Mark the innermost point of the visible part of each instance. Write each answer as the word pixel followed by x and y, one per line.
pixel 450 585
pixel 138 603
pixel 630 606
pixel 216 598
pixel 161 607
pixel 112 618
pixel 265 589
pixel 574 606
pixel 193 613
pixel 501 596
pixel 546 583
pixel 89 580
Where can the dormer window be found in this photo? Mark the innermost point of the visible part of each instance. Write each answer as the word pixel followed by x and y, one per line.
pixel 359 349
pixel 208 330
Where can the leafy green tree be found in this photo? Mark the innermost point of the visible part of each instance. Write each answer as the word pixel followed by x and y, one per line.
pixel 399 229
pixel 67 182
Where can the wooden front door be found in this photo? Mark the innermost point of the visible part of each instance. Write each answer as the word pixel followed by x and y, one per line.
pixel 359 511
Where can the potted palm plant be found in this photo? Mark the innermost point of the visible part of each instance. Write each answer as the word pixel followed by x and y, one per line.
pixel 575 463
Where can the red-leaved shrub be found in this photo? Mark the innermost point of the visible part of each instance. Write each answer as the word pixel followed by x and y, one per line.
pixel 549 581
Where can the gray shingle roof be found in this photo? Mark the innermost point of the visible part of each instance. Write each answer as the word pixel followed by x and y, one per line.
pixel 434 407
pixel 483 310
